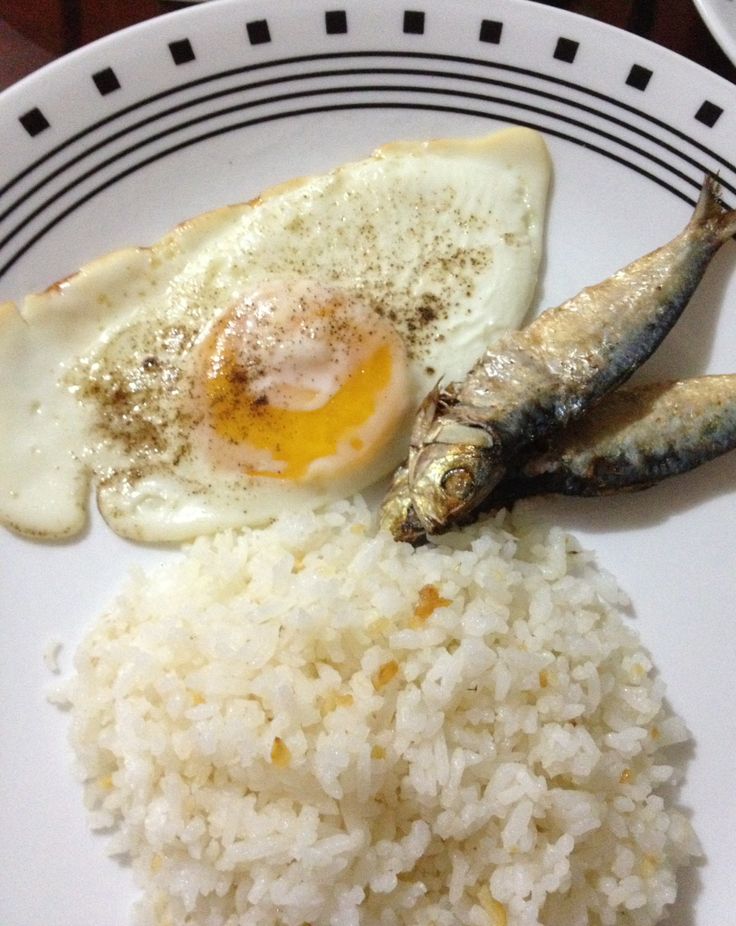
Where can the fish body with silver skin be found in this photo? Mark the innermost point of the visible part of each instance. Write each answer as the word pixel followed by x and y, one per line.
pixel 636 437
pixel 533 381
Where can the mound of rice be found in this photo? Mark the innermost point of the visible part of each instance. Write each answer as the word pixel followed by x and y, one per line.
pixel 312 724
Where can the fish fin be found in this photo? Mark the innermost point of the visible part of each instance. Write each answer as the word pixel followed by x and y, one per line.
pixel 424 417
pixel 710 210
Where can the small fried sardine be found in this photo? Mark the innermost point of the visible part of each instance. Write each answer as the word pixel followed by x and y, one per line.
pixel 531 382
pixel 634 438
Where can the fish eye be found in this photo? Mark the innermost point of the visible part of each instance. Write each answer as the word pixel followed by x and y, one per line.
pixel 458 483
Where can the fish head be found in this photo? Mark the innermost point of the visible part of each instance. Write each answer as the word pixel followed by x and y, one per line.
pixel 449 479
pixel 397 512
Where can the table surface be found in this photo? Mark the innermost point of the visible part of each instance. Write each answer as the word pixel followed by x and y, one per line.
pixel 675 24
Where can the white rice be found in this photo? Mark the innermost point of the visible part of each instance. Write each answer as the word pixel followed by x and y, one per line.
pixel 277 737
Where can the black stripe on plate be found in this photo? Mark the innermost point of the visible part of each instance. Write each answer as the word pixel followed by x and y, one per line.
pixel 496 100
pixel 595 94
pixel 280 98
pixel 339 56
pixel 415 72
pixel 325 109
pixel 326 91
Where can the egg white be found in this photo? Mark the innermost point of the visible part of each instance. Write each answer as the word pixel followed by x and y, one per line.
pixel 443 239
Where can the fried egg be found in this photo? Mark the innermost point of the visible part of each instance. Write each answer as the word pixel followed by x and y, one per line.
pixel 270 354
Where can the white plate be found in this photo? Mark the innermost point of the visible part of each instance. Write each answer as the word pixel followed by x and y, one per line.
pixel 720 18
pixel 118 142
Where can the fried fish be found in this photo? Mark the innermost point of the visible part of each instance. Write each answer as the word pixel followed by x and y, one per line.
pixel 532 382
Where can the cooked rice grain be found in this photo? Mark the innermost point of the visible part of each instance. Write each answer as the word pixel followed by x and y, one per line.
pixel 311 724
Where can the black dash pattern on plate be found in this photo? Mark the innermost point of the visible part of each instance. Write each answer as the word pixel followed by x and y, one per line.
pixel 34 122
pixel 258 32
pixel 182 51
pixel 106 81
pixel 336 22
pixel 413 22
pixel 566 50
pixel 490 31
pixel 708 113
pixel 639 77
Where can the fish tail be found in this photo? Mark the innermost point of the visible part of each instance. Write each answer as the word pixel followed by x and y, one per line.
pixel 711 213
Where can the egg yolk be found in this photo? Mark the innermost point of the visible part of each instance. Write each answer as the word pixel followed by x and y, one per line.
pixel 303 382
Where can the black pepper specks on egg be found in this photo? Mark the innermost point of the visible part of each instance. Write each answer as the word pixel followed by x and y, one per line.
pixel 135 392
